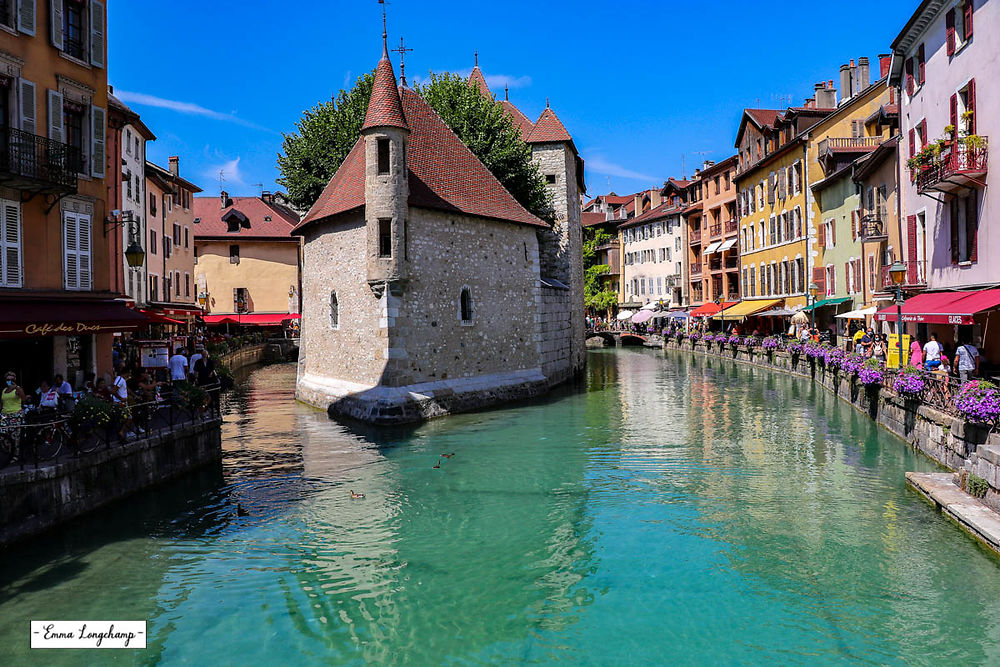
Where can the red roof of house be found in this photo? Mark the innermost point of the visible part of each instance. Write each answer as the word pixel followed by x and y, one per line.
pixel 764 117
pixel 443 175
pixel 521 121
pixel 256 211
pixel 616 199
pixel 384 106
pixel 591 219
pixel 663 210
pixel 477 79
pixel 548 128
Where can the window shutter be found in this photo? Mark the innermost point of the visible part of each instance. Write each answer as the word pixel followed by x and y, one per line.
pixel 26 89
pixel 83 250
pixel 967 19
pixel 831 287
pixel 913 143
pixel 98 126
pixel 972 226
pixel 819 277
pixel 854 225
pixel 822 235
pixel 56 23
pixel 971 95
pixel 849 277
pixel 10 245
pixel 921 65
pixel 56 128
pixel 954 234
pixel 833 232
pixel 909 76
pixel 953 112
pixel 96 33
pixel 949 22
pixel 71 263
pixel 26 16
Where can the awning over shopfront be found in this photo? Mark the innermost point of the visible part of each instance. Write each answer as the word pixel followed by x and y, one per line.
pixel 777 312
pixel 944 307
pixel 253 319
pixel 827 302
pixel 66 317
pixel 745 309
pixel 711 308
pixel 859 314
pixel 156 318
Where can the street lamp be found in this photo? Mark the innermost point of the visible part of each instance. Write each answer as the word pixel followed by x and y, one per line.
pixel 897 272
pixel 813 293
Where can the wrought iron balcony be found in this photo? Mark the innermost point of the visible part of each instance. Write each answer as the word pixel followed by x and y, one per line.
pixel 732 262
pixel 32 163
pixel 715 230
pixel 915 275
pixel 732 226
pixel 962 166
pixel 696 269
pixel 873 228
pixel 695 237
pixel 848 144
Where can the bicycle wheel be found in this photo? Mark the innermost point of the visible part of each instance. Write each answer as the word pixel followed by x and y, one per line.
pixel 89 438
pixel 50 442
pixel 7 449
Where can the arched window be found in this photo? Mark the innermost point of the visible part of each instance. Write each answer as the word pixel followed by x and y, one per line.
pixel 465 307
pixel 334 311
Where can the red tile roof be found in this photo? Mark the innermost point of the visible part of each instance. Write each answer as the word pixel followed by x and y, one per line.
pixel 591 219
pixel 764 117
pixel 384 107
pixel 661 211
pixel 443 175
pixel 548 128
pixel 477 79
pixel 521 121
pixel 615 199
pixel 255 209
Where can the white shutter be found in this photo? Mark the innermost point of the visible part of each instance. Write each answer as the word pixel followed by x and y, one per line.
pixel 10 245
pixel 97 129
pixel 83 250
pixel 71 263
pixel 96 33
pixel 26 90
pixel 26 16
pixel 56 128
pixel 56 23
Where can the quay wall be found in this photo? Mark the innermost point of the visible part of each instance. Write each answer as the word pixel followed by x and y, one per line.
pixel 245 356
pixel 946 439
pixel 36 499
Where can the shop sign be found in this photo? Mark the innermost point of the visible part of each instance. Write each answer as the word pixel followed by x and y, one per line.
pixel 61 329
pixel 892 354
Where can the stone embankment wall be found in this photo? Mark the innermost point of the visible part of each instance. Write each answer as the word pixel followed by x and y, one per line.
pixel 555 334
pixel 245 356
pixel 36 499
pixel 945 438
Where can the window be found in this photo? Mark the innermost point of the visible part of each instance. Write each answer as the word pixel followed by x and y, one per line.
pixel 659 285
pixel 152 242
pixel 800 273
pixel 73 125
pixel 234 254
pixel 964 229
pixel 829 233
pixel 10 244
pixel 384 237
pixel 965 116
pixel 187 232
pixel 177 234
pixel 154 288
pixel 921 66
pixel 241 299
pixel 168 203
pixel 128 183
pixel 167 247
pixel 831 280
pixel 753 281
pixel 383 155
pixel 152 204
pixel 73 40
pixel 550 179
pixel 465 307
pixel 76 255
pixel 187 284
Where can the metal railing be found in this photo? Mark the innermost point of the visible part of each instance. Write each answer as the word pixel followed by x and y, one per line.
pixel 696 269
pixel 715 229
pixel 939 390
pixel 848 143
pixel 695 237
pixel 872 227
pixel 962 159
pixel 42 436
pixel 26 156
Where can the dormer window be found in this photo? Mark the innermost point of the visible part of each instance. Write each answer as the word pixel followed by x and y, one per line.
pixel 383 156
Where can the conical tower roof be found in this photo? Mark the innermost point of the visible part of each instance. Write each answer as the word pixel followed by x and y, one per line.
pixel 385 109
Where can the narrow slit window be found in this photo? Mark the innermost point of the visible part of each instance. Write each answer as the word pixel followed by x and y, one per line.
pixel 465 305
pixel 385 238
pixel 334 311
pixel 383 156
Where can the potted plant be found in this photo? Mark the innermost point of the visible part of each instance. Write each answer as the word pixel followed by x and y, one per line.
pixel 872 373
pixel 978 401
pixel 909 382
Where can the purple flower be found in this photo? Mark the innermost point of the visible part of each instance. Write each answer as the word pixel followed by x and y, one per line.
pixel 771 343
pixel 909 382
pixel 872 372
pixel 751 341
pixel 735 340
pixel 833 357
pixel 695 337
pixel 852 362
pixel 795 348
pixel 979 401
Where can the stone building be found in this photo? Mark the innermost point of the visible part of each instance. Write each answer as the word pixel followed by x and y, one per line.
pixel 426 287
pixel 654 251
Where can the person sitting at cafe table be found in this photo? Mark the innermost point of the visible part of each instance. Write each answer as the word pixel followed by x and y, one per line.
pixel 48 397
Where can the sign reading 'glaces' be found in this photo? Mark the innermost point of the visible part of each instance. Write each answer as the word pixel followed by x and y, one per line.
pixel 88 634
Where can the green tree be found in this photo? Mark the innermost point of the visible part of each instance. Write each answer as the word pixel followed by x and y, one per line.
pixel 595 295
pixel 326 133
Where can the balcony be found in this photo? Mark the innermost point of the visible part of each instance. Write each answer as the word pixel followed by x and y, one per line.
pixel 696 269
pixel 732 227
pixel 915 276
pixel 873 228
pixel 695 237
pixel 732 262
pixel 715 264
pixel 715 230
pixel 961 167
pixel 832 145
pixel 31 163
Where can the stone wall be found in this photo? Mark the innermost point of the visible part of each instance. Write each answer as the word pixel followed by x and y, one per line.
pixel 554 333
pixel 243 357
pixel 33 500
pixel 945 438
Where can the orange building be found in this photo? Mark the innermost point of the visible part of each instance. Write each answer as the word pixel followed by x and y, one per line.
pixel 58 308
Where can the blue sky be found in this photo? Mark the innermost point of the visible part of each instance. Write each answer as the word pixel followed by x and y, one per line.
pixel 637 84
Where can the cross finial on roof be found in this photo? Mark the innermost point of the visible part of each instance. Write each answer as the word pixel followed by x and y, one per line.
pixel 476 56
pixel 546 103
pixel 402 51
pixel 506 94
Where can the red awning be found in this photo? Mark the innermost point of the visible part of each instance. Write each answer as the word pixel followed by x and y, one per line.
pixel 711 308
pixel 944 307
pixel 66 317
pixel 156 318
pixel 253 319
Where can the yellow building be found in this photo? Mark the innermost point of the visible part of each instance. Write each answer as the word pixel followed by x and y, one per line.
pixel 247 263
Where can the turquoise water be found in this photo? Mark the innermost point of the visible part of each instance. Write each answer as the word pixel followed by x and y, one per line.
pixel 671 511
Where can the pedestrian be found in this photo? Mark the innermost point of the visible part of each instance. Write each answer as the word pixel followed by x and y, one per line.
pixel 932 353
pixel 65 391
pixel 12 398
pixel 878 348
pixel 916 354
pixel 119 396
pixel 967 361
pixel 178 367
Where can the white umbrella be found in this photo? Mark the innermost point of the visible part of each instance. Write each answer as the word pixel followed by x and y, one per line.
pixel 625 315
pixel 800 318
pixel 859 314
pixel 649 306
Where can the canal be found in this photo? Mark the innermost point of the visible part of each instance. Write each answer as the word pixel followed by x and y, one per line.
pixel 673 510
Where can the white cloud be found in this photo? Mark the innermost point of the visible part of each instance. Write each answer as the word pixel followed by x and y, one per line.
pixel 231 174
pixel 602 166
pixel 501 80
pixel 188 108
pixel 347 80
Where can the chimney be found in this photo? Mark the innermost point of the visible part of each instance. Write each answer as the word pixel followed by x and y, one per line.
pixel 845 81
pixel 864 74
pixel 654 198
pixel 267 196
pixel 224 199
pixel 826 96
pixel 884 63
pixel 174 160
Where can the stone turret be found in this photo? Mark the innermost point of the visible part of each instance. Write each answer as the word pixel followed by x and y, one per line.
pixel 387 190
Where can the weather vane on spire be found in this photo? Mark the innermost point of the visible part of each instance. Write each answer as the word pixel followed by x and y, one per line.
pixel 402 51
pixel 385 43
pixel 475 55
